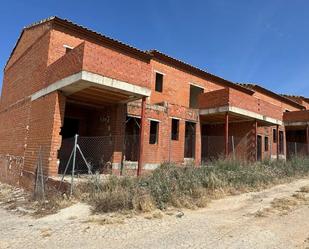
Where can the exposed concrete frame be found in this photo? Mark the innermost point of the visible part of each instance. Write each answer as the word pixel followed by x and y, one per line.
pixel 153 119
pixel 241 112
pixel 84 79
pixel 296 123
pixel 194 84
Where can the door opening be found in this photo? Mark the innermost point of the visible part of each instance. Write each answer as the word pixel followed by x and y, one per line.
pixel 189 140
pixel 70 127
pixel 259 148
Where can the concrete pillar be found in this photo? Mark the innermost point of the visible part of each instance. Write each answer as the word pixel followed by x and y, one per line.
pixel 226 135
pixel 141 141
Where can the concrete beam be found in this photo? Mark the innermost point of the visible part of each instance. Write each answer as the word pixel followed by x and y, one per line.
pixel 84 79
pixel 241 112
pixel 296 123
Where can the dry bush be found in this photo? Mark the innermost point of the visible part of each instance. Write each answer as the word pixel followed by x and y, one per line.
pixel 143 202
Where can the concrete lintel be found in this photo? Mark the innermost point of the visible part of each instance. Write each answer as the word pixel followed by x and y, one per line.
pixel 153 119
pixel 107 82
pixel 84 79
pixel 214 110
pixel 241 112
pixel 296 123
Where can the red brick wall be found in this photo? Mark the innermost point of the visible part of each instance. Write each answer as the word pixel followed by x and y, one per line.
pixel 24 74
pixel 98 59
pixel 58 38
pixel 70 63
pixel 296 116
pixel 176 84
pixel 46 119
pixel 284 106
pixel 166 149
pixel 28 38
pixel 235 98
pixel 13 128
pixel 27 75
pixel 218 98
pixel 116 65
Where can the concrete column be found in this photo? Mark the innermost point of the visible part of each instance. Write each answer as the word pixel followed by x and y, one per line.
pixel 226 135
pixel 141 141
pixel 307 135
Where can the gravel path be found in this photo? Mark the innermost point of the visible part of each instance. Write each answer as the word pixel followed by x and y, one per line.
pixel 242 221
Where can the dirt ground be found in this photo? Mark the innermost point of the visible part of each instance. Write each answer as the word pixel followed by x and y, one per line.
pixel 274 218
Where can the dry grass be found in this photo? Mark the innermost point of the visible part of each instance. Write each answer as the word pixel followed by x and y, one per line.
pixel 300 197
pixel 53 203
pixel 155 215
pixel 16 199
pixel 188 187
pixel 304 189
pixel 262 213
pixel 46 232
pixel 106 220
pixel 287 204
pixel 284 204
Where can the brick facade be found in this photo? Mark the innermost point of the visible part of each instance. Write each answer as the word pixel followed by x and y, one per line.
pixel 41 59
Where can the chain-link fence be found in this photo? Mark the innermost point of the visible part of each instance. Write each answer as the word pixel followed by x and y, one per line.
pixel 210 148
pixel 99 152
pixel 296 149
pixel 213 147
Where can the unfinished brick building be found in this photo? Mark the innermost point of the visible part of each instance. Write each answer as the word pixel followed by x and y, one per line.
pixel 131 107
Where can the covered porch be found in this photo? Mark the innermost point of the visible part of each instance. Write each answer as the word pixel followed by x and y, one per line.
pixel 95 108
pixel 297 132
pixel 234 124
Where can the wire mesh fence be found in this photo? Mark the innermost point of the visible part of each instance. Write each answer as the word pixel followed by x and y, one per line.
pixel 213 147
pixel 296 149
pixel 101 152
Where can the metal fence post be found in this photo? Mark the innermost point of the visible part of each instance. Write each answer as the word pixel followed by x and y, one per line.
pixel 295 149
pixel 74 161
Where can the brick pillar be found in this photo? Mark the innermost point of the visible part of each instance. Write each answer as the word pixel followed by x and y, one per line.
pixel 45 122
pixel 198 144
pixel 277 131
pixel 118 128
pixel 142 136
pixel 255 139
pixel 226 135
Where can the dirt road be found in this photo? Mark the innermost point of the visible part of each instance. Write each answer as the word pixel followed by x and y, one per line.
pixel 274 218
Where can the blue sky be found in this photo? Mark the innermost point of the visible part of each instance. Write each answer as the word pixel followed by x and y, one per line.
pixel 259 41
